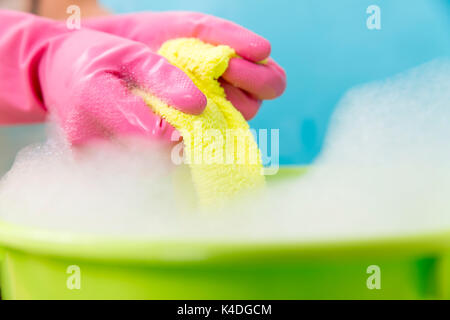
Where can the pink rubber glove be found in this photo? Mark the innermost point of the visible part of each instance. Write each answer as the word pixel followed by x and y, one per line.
pixel 83 78
pixel 245 82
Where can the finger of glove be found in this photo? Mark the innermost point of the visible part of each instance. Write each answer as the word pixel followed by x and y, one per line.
pixel 216 31
pixel 105 109
pixel 245 103
pixel 155 74
pixel 264 81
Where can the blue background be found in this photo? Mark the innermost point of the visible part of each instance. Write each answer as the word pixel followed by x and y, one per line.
pixel 326 48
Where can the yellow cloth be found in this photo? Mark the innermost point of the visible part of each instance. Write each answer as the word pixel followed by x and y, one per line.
pixel 218 144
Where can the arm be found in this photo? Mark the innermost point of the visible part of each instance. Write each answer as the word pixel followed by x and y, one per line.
pixel 23 41
pixel 83 77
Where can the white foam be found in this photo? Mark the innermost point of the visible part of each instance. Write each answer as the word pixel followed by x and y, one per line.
pixel 385 170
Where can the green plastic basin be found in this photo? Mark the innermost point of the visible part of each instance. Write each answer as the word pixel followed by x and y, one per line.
pixel 40 264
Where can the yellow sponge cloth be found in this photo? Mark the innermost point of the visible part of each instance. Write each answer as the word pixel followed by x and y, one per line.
pixel 218 144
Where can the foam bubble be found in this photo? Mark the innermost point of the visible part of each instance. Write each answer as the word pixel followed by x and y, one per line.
pixel 384 170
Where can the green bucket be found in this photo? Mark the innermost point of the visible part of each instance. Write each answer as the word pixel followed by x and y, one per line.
pixel 40 264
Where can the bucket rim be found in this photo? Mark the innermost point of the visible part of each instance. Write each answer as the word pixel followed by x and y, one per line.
pixel 66 245
pixel 71 245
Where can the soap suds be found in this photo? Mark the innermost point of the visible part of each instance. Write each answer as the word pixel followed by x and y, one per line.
pixel 384 171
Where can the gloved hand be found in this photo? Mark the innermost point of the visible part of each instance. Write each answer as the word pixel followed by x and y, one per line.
pixel 246 82
pixel 84 78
